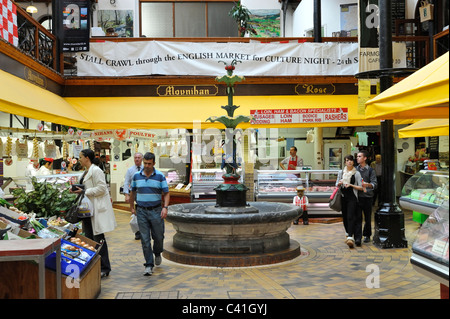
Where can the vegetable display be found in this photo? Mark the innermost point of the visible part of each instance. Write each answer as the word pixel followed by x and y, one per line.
pixel 45 200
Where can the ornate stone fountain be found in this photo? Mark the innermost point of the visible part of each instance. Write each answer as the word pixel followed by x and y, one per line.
pixel 231 232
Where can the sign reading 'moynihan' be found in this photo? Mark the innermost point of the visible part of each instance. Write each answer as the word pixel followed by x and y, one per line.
pixel 187 90
pixel 190 58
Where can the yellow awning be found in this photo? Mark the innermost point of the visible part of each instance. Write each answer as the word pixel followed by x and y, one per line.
pixel 181 112
pixel 423 94
pixel 23 98
pixel 428 127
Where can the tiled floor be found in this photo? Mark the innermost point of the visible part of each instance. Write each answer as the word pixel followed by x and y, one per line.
pixel 327 269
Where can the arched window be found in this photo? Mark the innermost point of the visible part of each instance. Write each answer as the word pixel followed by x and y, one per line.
pixel 46 22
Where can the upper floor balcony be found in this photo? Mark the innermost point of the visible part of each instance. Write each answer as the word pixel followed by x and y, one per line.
pixel 38 49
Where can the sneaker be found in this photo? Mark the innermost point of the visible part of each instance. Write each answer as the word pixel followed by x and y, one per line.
pixel 366 239
pixel 148 271
pixel 350 242
pixel 358 242
pixel 158 260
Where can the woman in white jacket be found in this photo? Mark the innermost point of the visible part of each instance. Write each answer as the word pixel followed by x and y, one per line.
pixel 351 213
pixel 103 219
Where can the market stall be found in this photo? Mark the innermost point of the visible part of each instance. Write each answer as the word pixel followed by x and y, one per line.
pixel 430 248
pixel 39 214
pixel 424 192
pixel 280 186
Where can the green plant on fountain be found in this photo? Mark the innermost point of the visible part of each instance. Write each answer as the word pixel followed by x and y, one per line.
pixel 230 122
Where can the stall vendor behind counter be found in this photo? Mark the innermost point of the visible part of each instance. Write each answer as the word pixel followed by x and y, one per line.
pixel 293 161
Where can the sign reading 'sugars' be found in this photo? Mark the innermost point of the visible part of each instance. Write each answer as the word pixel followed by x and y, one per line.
pixel 288 116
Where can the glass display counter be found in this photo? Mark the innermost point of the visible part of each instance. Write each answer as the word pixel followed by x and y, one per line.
pixel 425 191
pixel 173 176
pixel 205 180
pixel 179 193
pixel 430 248
pixel 280 186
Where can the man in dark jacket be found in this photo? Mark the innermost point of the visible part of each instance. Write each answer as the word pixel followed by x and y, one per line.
pixel 365 197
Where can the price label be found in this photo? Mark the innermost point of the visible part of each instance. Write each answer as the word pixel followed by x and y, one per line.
pixel 179 186
pixel 439 247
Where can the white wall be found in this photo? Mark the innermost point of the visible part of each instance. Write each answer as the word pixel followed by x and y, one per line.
pixel 303 18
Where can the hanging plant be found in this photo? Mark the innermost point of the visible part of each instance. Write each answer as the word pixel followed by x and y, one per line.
pixel 241 15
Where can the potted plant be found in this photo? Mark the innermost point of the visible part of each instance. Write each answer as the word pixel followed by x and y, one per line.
pixel 241 15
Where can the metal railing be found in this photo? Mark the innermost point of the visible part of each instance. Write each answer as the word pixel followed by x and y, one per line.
pixel 36 41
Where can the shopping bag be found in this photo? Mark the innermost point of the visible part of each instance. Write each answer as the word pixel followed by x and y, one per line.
pixel 336 200
pixel 85 209
pixel 426 11
pixel 134 224
pixel 71 215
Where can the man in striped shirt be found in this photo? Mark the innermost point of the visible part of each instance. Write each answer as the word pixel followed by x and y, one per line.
pixel 147 186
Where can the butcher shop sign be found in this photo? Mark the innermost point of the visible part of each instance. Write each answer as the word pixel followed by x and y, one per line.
pixel 304 116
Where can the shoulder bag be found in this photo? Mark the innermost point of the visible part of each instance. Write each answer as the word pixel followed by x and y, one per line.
pixel 336 199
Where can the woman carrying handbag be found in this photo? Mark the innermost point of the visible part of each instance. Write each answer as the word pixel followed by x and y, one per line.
pixel 103 219
pixel 351 213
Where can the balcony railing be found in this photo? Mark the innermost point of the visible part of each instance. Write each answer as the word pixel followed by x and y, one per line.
pixel 36 41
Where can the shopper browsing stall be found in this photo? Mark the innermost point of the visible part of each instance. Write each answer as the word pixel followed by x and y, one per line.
pixel 351 213
pixel 293 161
pixel 147 186
pixel 103 219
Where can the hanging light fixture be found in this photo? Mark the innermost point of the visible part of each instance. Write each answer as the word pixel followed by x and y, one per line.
pixel 31 8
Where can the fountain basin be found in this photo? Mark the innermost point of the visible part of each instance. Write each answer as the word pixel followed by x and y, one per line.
pixel 227 233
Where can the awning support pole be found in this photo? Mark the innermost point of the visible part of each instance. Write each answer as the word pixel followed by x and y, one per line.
pixel 389 218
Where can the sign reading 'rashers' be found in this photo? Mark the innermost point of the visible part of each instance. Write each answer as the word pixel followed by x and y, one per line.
pixel 286 116
pixel 189 58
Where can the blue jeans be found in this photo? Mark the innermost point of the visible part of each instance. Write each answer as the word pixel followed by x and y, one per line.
pixel 151 226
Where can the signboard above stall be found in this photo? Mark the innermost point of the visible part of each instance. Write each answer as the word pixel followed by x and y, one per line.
pixel 286 116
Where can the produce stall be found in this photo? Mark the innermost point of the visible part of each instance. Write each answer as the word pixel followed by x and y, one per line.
pixel 39 214
pixel 280 186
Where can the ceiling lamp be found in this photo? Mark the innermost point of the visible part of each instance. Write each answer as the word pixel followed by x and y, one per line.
pixel 31 8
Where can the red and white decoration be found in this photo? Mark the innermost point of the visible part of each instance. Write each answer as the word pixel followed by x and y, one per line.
pixel 8 22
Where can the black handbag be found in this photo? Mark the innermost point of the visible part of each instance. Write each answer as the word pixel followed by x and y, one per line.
pixel 72 213
pixel 336 200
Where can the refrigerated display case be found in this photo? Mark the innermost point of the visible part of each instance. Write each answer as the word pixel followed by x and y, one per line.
pixel 425 191
pixel 430 248
pixel 334 155
pixel 205 180
pixel 280 186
